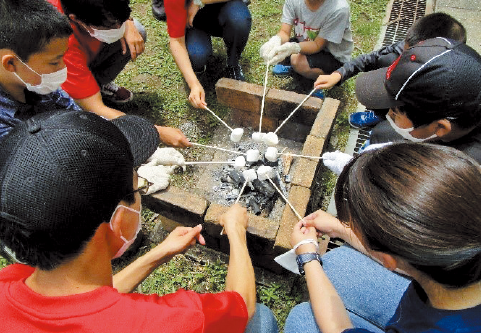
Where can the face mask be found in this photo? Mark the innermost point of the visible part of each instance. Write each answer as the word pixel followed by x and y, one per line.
pixel 108 36
pixel 49 82
pixel 127 243
pixel 406 132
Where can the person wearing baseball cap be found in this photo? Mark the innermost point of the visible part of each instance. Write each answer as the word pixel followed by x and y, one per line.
pixel 433 91
pixel 69 203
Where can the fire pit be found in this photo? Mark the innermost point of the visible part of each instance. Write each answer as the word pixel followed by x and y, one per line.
pixel 217 187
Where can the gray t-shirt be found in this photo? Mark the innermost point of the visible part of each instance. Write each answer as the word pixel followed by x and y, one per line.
pixel 330 21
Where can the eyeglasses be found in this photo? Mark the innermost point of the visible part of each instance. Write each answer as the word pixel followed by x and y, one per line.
pixel 144 188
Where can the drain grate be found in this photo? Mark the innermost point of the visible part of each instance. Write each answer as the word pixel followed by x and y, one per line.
pixel 403 15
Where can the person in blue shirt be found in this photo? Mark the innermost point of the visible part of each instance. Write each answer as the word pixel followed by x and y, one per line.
pixel 414 208
pixel 33 40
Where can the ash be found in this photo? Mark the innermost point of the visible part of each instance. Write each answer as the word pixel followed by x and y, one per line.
pixel 259 197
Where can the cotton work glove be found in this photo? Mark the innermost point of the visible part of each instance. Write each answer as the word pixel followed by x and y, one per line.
pixel 270 45
pixel 281 52
pixel 166 156
pixel 336 161
pixel 158 175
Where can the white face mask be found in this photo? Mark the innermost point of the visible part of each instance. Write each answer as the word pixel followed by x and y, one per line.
pixel 108 36
pixel 48 83
pixel 406 132
pixel 127 243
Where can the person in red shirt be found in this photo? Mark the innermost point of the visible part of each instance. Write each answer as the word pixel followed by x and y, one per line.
pixel 191 23
pixel 105 39
pixel 70 204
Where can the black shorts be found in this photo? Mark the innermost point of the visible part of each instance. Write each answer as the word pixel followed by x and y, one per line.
pixel 324 60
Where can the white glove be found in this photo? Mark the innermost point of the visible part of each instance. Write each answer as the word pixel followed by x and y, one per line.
pixel 166 156
pixel 158 175
pixel 281 52
pixel 336 161
pixel 265 49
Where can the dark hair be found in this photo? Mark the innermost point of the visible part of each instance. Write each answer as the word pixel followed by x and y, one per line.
pixel 435 25
pixel 27 26
pixel 419 202
pixel 99 13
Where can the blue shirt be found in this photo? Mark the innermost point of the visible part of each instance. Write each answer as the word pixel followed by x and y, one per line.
pixel 12 112
pixel 415 315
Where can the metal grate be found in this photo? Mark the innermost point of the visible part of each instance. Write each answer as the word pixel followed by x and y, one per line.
pixel 403 15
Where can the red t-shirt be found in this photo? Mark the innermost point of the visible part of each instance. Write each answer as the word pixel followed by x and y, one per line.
pixel 82 49
pixel 106 310
pixel 176 13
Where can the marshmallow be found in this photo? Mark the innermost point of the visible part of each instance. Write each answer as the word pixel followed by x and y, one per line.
pixel 240 162
pixel 249 175
pixel 258 136
pixel 236 134
pixel 271 139
pixel 264 172
pixel 271 154
pixel 252 155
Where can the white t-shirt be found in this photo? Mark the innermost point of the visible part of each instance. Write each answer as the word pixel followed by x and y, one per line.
pixel 330 21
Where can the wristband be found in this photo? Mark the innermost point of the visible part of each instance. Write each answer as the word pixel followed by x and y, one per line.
pixel 307 241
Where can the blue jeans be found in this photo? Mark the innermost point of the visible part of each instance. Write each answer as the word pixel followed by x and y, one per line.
pixel 263 321
pixel 110 61
pixel 370 292
pixel 230 20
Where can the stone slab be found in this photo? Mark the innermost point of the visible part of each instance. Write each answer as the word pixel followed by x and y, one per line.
pixel 313 146
pixel 325 118
pixel 251 119
pixel 239 95
pixel 304 171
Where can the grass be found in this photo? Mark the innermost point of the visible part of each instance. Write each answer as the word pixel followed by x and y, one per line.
pixel 161 95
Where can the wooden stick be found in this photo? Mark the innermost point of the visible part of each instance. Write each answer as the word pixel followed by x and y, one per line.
pixel 218 148
pixel 305 99
pixel 209 162
pixel 219 118
pixel 237 200
pixel 287 201
pixel 297 155
pixel 263 97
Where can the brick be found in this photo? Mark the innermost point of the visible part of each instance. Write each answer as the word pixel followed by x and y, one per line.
pixel 239 95
pixel 280 104
pixel 250 119
pixel 313 146
pixel 178 205
pixel 304 171
pixel 299 198
pixel 325 118
pixel 294 131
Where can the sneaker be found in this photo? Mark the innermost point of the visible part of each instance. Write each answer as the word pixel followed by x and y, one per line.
pixel 363 119
pixel 116 94
pixel 319 93
pixel 234 72
pixel 282 70
pixel 158 10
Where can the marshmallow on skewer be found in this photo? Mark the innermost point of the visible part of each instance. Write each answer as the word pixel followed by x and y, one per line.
pixel 240 162
pixel 258 137
pixel 271 139
pixel 252 155
pixel 264 172
pixel 271 154
pixel 249 175
pixel 236 134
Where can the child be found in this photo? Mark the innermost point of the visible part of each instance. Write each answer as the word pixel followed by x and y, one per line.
pixel 322 38
pixel 33 39
pixel 429 26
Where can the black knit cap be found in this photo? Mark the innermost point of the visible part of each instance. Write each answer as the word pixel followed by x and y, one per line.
pixel 437 76
pixel 62 173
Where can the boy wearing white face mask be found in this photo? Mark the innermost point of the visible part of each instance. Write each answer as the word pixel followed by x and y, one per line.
pixel 33 40
pixel 104 40
pixel 433 91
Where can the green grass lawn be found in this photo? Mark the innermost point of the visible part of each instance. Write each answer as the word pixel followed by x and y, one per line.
pixel 161 95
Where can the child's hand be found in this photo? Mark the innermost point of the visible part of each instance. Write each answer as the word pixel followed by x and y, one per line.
pixel 299 233
pixel 324 223
pixel 327 81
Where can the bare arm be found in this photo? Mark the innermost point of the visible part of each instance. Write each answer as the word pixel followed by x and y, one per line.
pixel 95 104
pixel 177 242
pixel 308 47
pixel 240 274
pixel 329 311
pixel 285 32
pixel 181 57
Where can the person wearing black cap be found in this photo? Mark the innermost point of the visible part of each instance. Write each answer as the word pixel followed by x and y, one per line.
pixel 69 203
pixel 433 91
